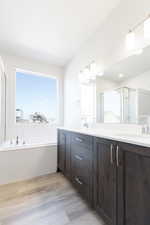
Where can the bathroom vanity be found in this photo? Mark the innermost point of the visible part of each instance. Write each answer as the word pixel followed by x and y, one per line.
pixel 111 174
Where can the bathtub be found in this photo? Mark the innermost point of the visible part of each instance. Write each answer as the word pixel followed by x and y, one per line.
pixel 22 162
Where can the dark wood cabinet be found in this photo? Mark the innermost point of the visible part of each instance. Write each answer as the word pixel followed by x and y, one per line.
pixel 105 180
pixel 112 176
pixel 133 185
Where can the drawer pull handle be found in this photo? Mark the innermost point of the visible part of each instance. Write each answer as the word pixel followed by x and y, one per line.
pixel 78 157
pixel 78 181
pixel 79 140
pixel 111 154
pixel 117 156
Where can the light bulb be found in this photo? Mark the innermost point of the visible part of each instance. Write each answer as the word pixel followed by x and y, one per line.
pixel 93 67
pixel 121 75
pixel 87 73
pixel 130 40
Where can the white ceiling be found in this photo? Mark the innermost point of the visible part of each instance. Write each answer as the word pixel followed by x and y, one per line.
pixel 50 30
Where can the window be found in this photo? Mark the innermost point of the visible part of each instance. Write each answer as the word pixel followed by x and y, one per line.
pixel 36 98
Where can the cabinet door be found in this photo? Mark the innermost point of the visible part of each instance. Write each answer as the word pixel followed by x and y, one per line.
pixel 61 150
pixel 105 180
pixel 133 185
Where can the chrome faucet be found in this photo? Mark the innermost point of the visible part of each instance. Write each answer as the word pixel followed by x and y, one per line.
pixel 86 125
pixel 17 140
pixel 145 121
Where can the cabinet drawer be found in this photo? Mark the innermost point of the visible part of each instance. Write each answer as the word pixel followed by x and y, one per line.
pixel 81 164
pixel 82 140
pixel 81 151
pixel 82 170
pixel 82 186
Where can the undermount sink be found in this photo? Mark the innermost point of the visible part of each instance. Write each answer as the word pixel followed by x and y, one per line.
pixel 125 135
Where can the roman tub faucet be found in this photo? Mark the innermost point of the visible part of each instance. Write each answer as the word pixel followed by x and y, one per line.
pixel 17 140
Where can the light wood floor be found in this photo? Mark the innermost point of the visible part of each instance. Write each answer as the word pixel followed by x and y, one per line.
pixel 47 200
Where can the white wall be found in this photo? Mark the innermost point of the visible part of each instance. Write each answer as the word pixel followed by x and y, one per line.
pixel 30 131
pixel 106 47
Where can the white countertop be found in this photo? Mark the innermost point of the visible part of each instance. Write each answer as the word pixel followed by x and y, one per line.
pixel 136 139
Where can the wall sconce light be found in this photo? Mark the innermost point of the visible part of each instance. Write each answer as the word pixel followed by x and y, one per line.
pixel 89 73
pixel 96 70
pixel 93 67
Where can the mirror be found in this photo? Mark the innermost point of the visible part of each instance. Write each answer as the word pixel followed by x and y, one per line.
pixel 123 92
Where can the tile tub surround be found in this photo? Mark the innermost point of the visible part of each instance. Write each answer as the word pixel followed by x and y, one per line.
pixel 45 200
pixel 132 136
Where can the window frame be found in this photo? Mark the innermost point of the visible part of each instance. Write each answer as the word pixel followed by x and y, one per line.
pixel 57 105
